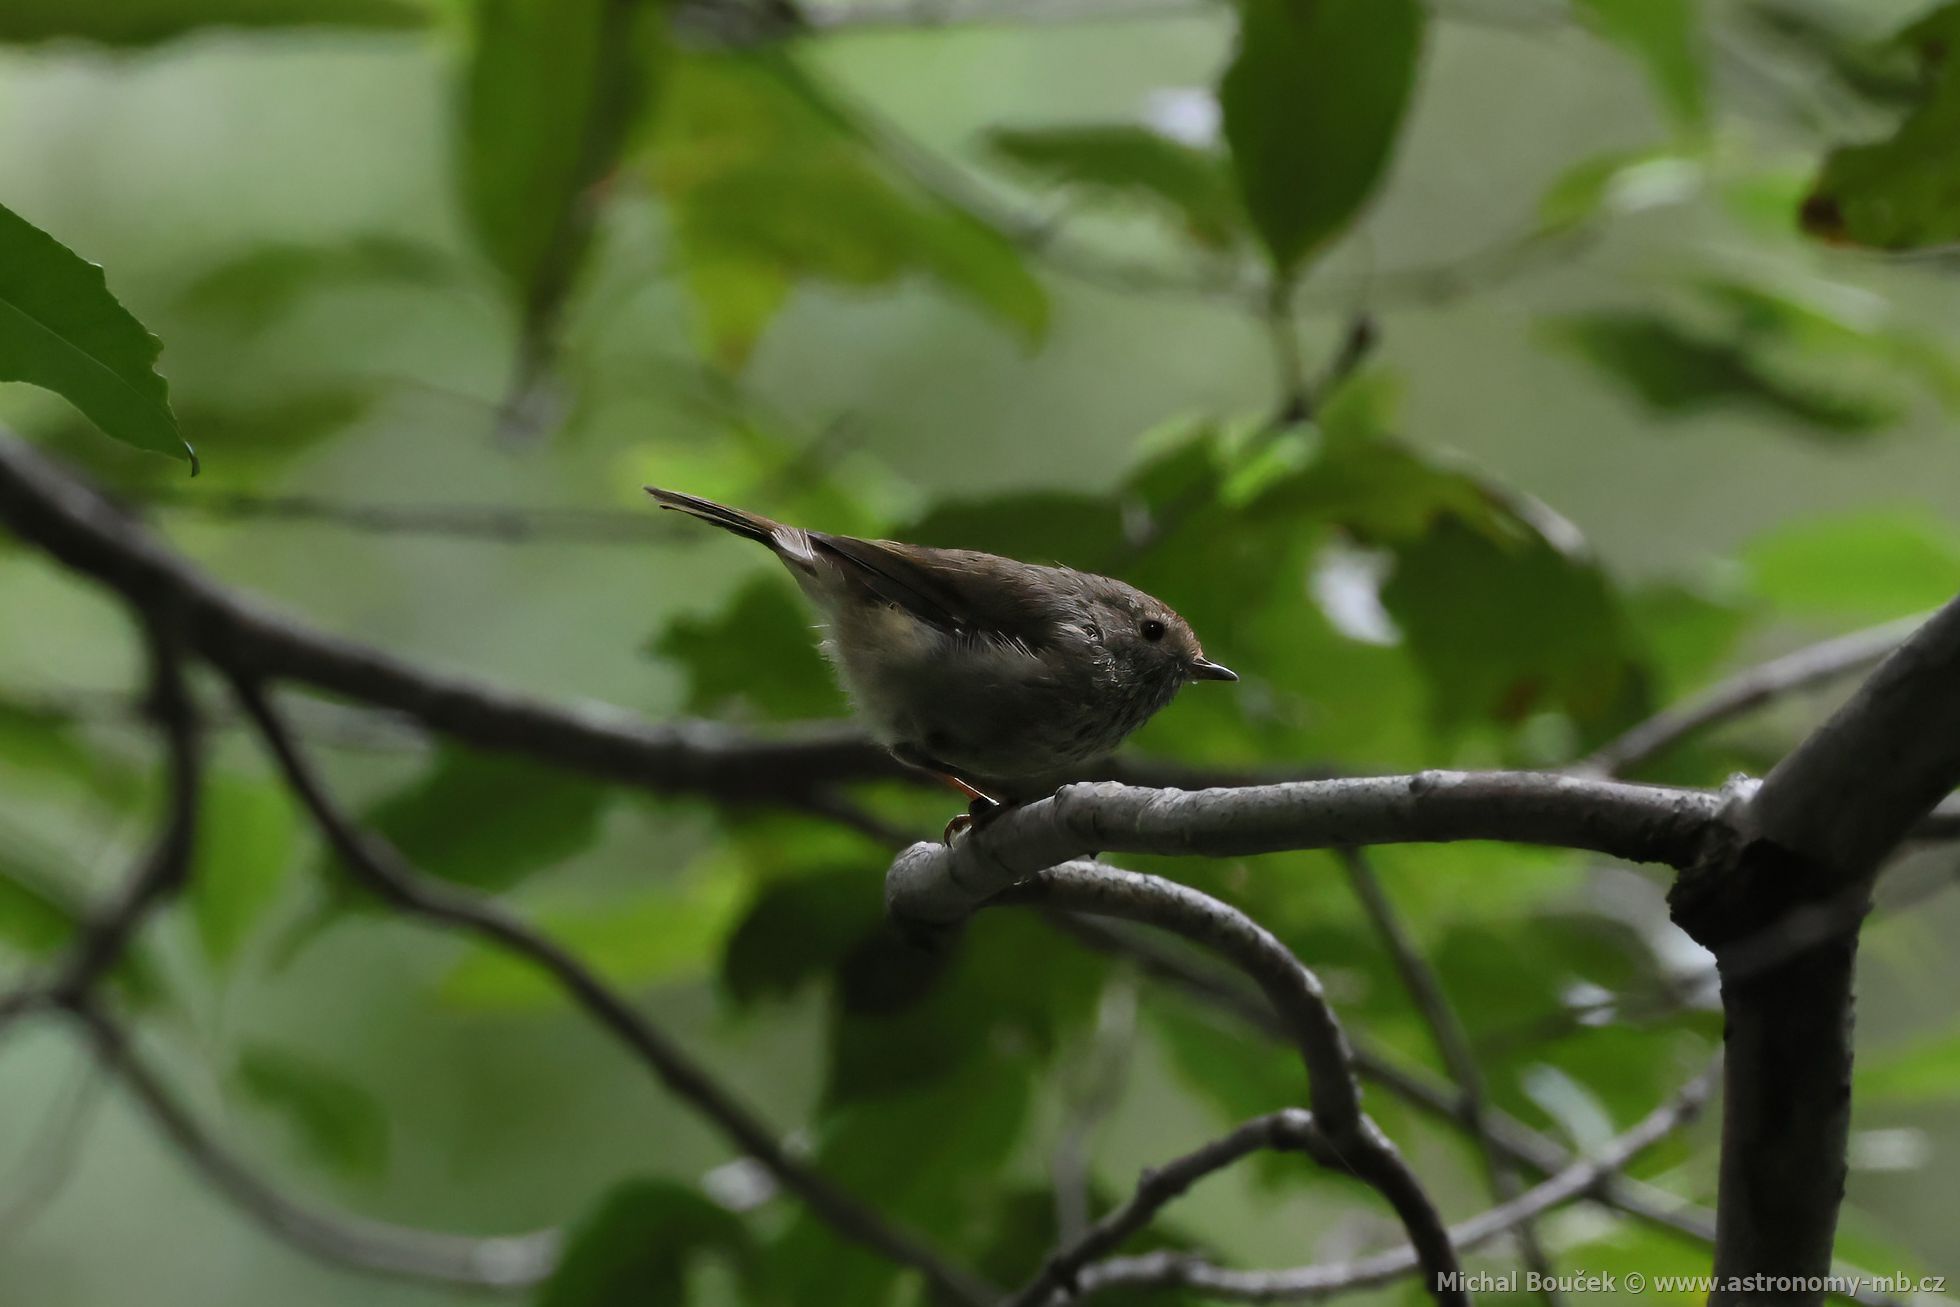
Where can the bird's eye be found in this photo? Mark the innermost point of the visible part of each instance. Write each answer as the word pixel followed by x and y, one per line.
pixel 1153 629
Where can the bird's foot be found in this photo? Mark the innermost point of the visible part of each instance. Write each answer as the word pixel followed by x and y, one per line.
pixel 980 811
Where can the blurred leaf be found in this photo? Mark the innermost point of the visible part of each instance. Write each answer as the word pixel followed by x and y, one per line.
pixel 40 912
pixel 489 820
pixel 250 291
pixel 1312 103
pixel 1679 371
pixel 1902 192
pixel 1129 161
pixel 1618 184
pixel 1881 73
pixel 1925 1070
pixel 339 1124
pixel 935 1153
pixel 670 934
pixel 636 1247
pixel 769 183
pixel 146 22
pixel 1040 526
pixel 34 919
pixel 1507 629
pixel 759 655
pixel 62 330
pixel 550 93
pixel 797 931
pixel 247 838
pixel 1862 567
pixel 1665 35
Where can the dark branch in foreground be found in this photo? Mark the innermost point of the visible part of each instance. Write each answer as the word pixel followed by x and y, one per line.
pixel 379 868
pixel 1806 848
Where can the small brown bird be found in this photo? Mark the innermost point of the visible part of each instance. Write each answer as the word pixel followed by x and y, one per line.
pixel 991 673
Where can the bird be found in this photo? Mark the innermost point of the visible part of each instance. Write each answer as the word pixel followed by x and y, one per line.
pixel 991 674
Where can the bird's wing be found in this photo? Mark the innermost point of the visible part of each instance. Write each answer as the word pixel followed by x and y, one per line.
pixel 954 589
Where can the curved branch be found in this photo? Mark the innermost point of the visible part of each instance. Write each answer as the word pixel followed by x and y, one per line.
pixel 379 868
pixel 1166 1270
pixel 1354 1143
pixel 931 882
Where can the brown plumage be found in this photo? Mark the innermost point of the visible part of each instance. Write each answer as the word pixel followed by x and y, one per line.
pixel 993 672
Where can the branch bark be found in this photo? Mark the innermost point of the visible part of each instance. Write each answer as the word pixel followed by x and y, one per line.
pixel 932 882
pixel 1808 844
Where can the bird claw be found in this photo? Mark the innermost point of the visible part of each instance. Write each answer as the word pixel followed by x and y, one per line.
pixel 980 812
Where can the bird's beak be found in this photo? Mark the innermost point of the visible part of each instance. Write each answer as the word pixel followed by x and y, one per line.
pixel 1204 669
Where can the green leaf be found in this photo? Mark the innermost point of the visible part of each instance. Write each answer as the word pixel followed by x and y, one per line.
pixel 338 1123
pixel 248 836
pixel 1925 1070
pixel 146 22
pixel 1313 100
pixel 758 657
pixel 671 934
pixel 489 820
pixel 797 931
pixel 769 183
pixel 62 330
pixel 1507 629
pixel 1678 370
pixel 1128 161
pixel 1902 192
pixel 551 89
pixel 636 1247
pixel 1864 567
pixel 1665 36
pixel 40 914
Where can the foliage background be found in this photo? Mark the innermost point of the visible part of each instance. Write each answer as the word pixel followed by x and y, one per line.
pixel 309 218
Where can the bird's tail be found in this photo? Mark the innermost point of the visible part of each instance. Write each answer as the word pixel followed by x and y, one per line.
pixel 752 526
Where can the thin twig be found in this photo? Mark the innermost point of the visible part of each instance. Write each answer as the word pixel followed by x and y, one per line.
pixel 1290 1129
pixel 380 868
pixel 1751 688
pixel 1452 1043
pixel 1166 1270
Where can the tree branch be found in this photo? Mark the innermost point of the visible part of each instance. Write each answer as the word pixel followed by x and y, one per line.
pixel 1806 848
pixel 1355 1144
pixel 931 882
pixel 378 867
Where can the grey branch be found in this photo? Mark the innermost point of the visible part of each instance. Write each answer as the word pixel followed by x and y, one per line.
pixel 505 1262
pixel 932 882
pixel 1804 669
pixel 1808 845
pixel 1354 1143
pixel 378 867
pixel 1170 1269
